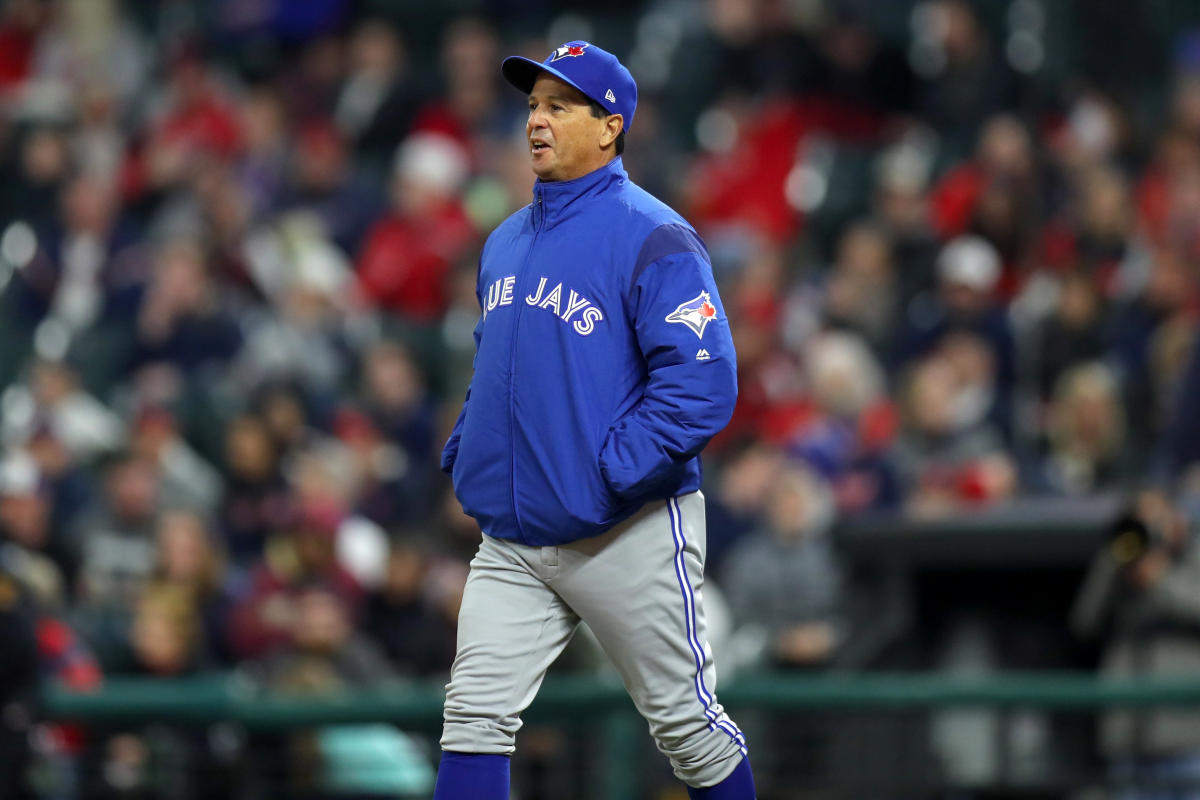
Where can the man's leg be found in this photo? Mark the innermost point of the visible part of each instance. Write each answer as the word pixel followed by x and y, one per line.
pixel 638 589
pixel 511 627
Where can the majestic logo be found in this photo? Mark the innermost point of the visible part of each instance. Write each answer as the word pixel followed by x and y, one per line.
pixel 568 50
pixel 695 313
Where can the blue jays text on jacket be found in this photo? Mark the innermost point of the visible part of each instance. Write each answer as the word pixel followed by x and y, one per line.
pixel 603 363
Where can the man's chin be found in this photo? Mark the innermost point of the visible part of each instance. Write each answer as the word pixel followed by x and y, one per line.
pixel 545 171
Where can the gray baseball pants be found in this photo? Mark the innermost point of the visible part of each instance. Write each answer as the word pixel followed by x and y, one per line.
pixel 637 587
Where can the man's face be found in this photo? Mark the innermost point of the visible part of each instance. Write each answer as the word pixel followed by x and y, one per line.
pixel 565 140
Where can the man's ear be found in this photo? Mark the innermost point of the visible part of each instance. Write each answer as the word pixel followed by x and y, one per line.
pixel 613 125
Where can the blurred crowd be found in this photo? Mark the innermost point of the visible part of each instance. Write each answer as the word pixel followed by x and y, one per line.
pixel 238 244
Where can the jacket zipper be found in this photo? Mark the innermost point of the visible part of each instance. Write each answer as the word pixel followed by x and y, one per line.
pixel 512 366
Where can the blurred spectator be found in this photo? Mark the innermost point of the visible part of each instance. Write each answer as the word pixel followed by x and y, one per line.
pixel 965 307
pixel 116 544
pixel 194 124
pixel 1095 238
pixel 1074 332
pixel 377 99
pixel 852 423
pixel 784 578
pixel 944 457
pixel 396 396
pixel 902 210
pixel 40 169
pixel 304 338
pixel 401 619
pixel 256 501
pixel 179 321
pixel 861 78
pixel 736 52
pixel 1085 428
pixel 187 480
pixel 1167 295
pixel 85 426
pixel 84 42
pixel 310 86
pixel 260 171
pixel 965 79
pixel 471 107
pixel 405 263
pixel 993 195
pixel 324 186
pixel 264 619
pixel 786 592
pixel 44 551
pixel 861 292
pixel 100 142
pixel 190 573
pixel 165 636
pixel 389 486
pixel 117 536
pixel 1139 598
pixel 216 210
pixel 68 485
pixel 324 652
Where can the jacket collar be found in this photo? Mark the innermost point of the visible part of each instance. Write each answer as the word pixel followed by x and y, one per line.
pixel 556 200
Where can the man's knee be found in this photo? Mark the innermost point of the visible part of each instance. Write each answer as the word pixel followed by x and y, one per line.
pixel 703 755
pixel 473 734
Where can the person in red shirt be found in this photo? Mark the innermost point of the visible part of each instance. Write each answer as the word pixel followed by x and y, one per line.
pixel 405 264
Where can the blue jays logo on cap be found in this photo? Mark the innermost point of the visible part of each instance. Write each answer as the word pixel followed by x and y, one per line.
pixel 695 313
pixel 592 70
pixel 567 50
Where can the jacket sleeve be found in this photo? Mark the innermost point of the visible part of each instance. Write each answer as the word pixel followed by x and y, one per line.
pixel 450 451
pixel 683 335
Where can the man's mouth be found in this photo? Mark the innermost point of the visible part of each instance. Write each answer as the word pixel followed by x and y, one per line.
pixel 538 147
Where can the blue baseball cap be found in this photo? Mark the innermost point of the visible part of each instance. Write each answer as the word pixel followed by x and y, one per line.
pixel 594 71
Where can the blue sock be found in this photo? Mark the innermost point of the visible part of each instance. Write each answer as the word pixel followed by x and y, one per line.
pixel 738 786
pixel 472 776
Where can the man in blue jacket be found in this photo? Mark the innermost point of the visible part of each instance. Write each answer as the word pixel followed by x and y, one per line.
pixel 603 366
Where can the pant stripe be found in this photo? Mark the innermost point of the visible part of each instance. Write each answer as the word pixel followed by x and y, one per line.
pixel 689 605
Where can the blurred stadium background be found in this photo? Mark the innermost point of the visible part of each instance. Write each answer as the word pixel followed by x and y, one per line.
pixel 951 548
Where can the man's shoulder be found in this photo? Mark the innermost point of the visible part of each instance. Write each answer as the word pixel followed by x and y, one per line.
pixel 647 209
pixel 509 228
pixel 657 229
pixel 512 223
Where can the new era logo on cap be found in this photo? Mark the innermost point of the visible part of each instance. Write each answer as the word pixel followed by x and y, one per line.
pixel 590 69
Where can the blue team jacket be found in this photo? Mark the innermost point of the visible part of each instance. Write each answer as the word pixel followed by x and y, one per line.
pixel 603 363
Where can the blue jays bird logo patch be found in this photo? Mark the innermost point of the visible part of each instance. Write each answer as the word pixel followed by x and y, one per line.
pixel 695 313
